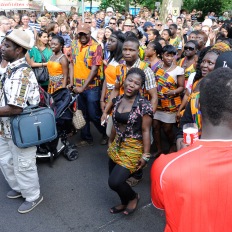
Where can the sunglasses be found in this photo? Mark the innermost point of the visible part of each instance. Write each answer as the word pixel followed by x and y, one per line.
pixel 88 22
pixel 8 32
pixel 159 25
pixel 112 23
pixel 188 48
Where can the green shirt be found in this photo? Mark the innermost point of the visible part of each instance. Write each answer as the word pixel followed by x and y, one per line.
pixel 36 55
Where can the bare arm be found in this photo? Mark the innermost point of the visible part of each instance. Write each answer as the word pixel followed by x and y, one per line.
pixel 114 93
pixel 146 130
pixel 103 93
pixel 154 98
pixel 32 63
pixel 71 73
pixel 183 105
pixel 180 86
pixel 112 136
pixel 10 110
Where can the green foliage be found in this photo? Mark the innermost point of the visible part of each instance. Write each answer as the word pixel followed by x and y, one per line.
pixel 206 6
pixel 120 4
pixel 116 4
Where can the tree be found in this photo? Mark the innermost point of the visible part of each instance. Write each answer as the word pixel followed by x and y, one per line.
pixel 124 4
pixel 206 6
pixel 116 4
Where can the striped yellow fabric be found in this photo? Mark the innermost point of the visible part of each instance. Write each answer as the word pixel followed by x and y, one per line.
pixel 126 153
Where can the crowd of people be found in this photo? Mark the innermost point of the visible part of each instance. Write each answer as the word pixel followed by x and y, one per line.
pixel 135 76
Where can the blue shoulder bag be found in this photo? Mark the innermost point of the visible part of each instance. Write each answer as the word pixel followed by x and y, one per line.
pixel 34 126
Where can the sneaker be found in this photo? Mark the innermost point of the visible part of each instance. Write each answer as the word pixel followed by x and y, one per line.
pixel 12 194
pixel 133 181
pixel 28 206
pixel 104 140
pixel 84 143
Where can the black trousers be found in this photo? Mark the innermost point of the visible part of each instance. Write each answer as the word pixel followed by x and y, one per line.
pixel 117 182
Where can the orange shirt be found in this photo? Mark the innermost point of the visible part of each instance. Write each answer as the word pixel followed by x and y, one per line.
pixel 54 68
pixel 84 57
pixel 194 187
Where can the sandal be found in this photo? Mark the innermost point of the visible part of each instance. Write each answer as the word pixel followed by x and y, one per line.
pixel 114 209
pixel 130 211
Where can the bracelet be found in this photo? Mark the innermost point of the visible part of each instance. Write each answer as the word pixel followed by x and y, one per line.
pixel 146 156
pixel 146 159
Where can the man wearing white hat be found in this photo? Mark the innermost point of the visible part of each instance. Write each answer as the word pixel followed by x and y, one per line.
pixel 109 14
pixel 18 87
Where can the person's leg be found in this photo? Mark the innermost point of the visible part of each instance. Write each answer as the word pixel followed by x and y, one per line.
pixel 168 130
pixel 7 164
pixel 117 182
pixel 82 105
pixel 93 107
pixel 157 136
pixel 25 170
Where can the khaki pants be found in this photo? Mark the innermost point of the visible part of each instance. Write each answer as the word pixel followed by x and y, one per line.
pixel 19 169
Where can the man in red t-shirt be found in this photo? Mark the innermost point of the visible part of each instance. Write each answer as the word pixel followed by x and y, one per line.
pixel 194 185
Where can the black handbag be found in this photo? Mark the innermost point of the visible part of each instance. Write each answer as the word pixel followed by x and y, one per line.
pixel 41 73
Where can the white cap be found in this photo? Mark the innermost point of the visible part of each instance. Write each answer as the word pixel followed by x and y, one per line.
pixel 109 9
pixel 207 22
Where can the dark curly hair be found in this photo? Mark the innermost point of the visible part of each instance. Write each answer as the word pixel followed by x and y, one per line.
pixel 138 72
pixel 216 99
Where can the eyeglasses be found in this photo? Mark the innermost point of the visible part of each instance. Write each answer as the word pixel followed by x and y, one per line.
pixel 159 25
pixel 188 48
pixel 112 23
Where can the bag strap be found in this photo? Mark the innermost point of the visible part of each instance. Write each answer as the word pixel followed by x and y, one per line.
pixel 42 56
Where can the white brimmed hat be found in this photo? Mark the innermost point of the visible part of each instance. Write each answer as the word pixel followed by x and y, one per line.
pixel 128 22
pixel 20 37
pixel 109 9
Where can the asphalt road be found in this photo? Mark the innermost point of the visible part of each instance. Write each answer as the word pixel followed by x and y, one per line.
pixel 77 198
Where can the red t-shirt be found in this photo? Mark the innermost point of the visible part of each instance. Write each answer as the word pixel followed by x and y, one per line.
pixel 194 187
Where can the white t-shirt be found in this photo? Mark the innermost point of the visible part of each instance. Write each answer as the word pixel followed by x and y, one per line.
pixel 189 84
pixel 176 72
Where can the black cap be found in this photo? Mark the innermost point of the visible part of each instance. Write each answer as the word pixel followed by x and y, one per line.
pixel 224 60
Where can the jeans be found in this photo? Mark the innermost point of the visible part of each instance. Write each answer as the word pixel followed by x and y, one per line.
pixel 89 103
pixel 117 182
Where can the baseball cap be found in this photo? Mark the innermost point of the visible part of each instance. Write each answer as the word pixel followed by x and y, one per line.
pixel 84 28
pixel 147 24
pixel 224 60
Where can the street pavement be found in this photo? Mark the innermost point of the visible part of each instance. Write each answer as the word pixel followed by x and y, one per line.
pixel 77 198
